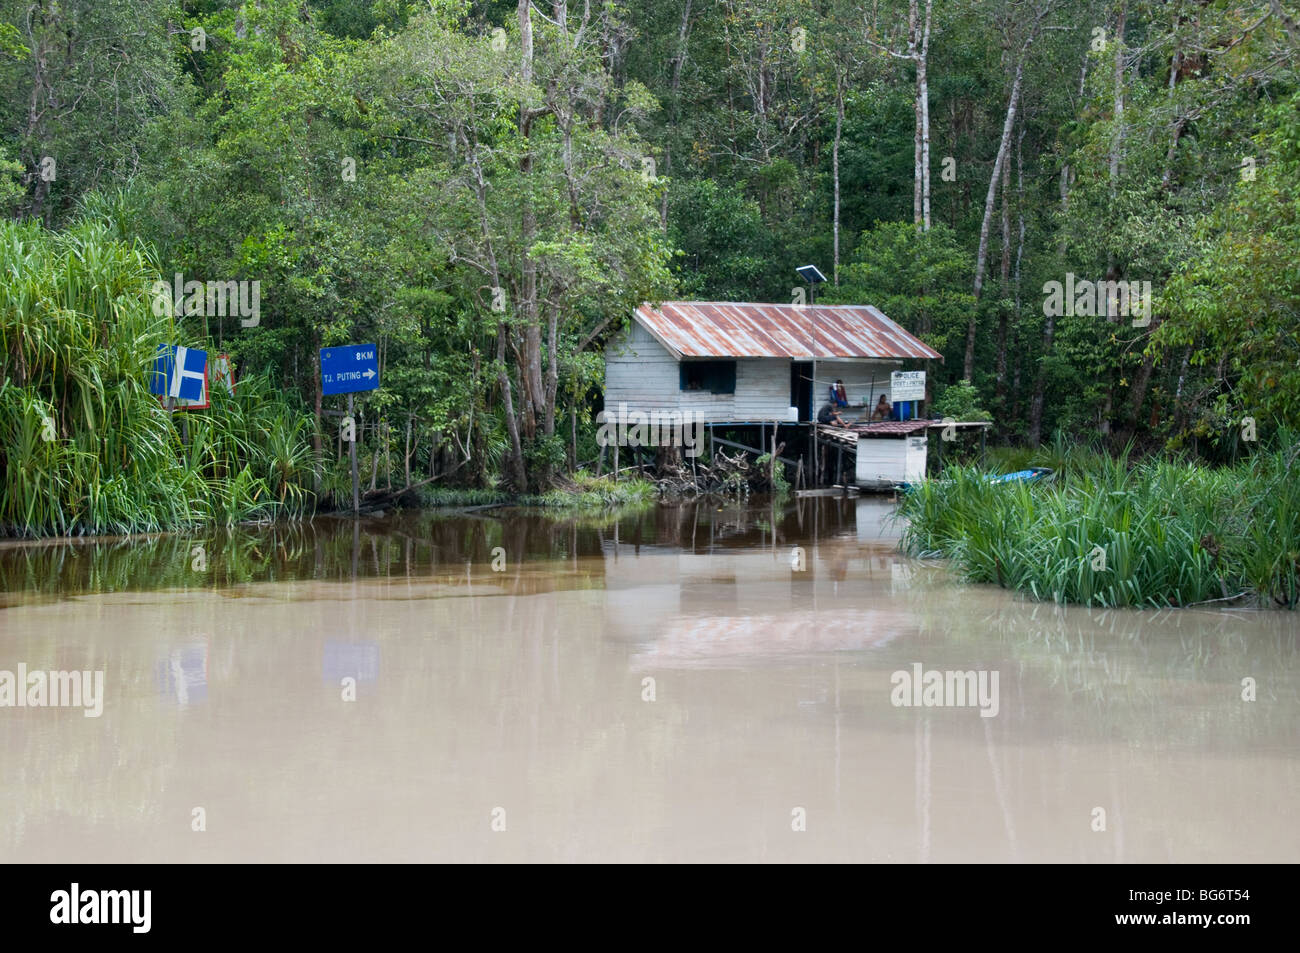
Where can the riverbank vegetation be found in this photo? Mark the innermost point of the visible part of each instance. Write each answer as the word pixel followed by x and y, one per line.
pixel 584 491
pixel 485 189
pixel 1107 532
pixel 84 446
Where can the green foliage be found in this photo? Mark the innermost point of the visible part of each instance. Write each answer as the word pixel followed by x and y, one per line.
pixel 780 484
pixel 389 173
pixel 726 248
pixel 1104 533
pixel 1236 304
pixel 960 401
pixel 84 448
pixel 586 492
pixel 920 279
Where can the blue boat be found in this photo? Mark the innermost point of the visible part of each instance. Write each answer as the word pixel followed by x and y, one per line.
pixel 1032 475
pixel 1023 476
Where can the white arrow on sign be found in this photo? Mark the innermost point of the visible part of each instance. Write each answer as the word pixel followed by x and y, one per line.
pixel 370 372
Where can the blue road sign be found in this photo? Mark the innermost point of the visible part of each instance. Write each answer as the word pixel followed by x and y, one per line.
pixel 178 372
pixel 348 368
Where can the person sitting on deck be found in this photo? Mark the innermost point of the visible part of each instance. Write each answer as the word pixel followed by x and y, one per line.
pixel 829 415
pixel 839 397
pixel 883 409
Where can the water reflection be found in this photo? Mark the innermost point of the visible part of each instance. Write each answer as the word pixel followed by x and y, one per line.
pixel 419 543
pixel 182 674
pixel 527 688
pixel 356 660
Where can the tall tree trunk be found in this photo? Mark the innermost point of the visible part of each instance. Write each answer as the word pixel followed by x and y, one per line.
pixel 675 98
pixel 913 52
pixel 1287 21
pixel 923 104
pixel 981 259
pixel 530 363
pixel 515 475
pixel 1035 434
pixel 1004 268
pixel 515 471
pixel 1175 63
pixel 1004 145
pixel 1017 349
pixel 835 175
pixel 1180 410
pixel 37 32
pixel 1113 268
pixel 1142 380
pixel 1117 137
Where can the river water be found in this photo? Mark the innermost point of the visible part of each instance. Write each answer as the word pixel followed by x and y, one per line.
pixel 679 683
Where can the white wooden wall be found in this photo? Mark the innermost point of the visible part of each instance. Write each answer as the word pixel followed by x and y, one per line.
pixel 889 460
pixel 641 373
pixel 863 381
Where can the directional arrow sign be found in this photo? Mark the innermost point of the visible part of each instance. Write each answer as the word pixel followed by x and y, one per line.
pixel 348 368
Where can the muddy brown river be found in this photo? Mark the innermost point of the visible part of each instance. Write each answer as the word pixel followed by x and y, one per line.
pixel 678 683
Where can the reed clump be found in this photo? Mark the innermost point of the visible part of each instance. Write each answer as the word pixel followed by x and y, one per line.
pixel 84 447
pixel 1108 532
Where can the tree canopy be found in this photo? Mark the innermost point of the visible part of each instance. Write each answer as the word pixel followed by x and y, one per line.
pixel 488 189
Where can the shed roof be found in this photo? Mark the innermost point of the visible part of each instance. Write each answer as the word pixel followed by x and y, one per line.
pixel 901 428
pixel 801 332
pixel 892 428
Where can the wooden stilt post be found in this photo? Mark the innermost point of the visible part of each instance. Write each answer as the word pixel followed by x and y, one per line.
pixel 771 465
pixel 352 449
pixel 816 468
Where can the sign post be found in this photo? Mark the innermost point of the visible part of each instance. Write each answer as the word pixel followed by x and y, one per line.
pixel 352 452
pixel 347 369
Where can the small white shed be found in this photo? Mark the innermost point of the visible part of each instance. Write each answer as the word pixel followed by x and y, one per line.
pixel 891 452
pixel 896 451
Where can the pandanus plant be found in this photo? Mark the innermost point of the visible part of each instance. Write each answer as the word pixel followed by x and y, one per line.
pixel 84 447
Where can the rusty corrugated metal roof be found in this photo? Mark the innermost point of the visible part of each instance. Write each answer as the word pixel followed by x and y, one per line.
pixel 802 332
pixel 892 428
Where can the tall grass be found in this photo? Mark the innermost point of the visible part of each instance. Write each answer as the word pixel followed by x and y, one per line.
pixel 1107 533
pixel 585 492
pixel 84 448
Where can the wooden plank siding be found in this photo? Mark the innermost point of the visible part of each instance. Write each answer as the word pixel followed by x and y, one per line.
pixel 884 461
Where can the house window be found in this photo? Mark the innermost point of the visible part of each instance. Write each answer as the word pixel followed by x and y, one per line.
pixel 711 377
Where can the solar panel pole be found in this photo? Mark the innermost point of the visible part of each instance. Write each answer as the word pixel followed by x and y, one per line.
pixel 817 470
